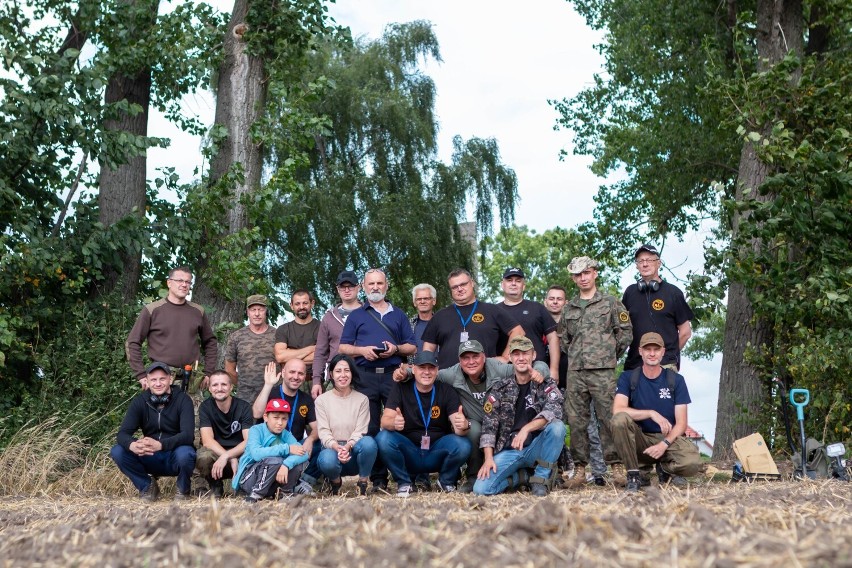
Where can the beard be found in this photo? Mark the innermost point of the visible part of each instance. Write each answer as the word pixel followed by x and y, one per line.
pixel 375 297
pixel 302 314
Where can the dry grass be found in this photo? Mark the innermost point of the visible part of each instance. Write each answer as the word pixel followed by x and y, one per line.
pixel 713 524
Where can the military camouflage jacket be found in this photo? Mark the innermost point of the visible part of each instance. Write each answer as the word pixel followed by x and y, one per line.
pixel 596 336
pixel 500 410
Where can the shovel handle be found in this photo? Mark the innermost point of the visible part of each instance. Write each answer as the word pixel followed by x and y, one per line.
pixel 800 405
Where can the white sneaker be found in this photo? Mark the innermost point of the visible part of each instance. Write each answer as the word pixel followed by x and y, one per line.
pixel 303 488
pixel 404 491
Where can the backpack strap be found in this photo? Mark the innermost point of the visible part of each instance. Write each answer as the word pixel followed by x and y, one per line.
pixel 634 382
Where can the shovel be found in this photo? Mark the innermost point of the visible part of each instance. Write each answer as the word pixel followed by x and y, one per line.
pixel 800 414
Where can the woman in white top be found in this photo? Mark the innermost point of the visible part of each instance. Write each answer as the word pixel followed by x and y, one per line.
pixel 343 416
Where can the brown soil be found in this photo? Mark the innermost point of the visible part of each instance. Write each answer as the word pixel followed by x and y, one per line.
pixel 711 524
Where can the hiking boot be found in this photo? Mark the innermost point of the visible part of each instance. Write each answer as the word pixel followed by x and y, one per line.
pixel 180 496
pixel 579 479
pixel 303 488
pixel 665 477
pixel 217 489
pixel 150 493
pixel 362 487
pixel 335 486
pixel 404 491
pixel 446 488
pixel 379 487
pixel 538 489
pixel 619 479
pixel 634 481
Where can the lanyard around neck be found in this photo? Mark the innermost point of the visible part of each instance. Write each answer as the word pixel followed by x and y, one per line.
pixel 420 407
pixel 464 322
pixel 292 410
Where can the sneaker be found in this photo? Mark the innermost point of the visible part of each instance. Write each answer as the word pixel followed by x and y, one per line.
pixel 404 491
pixel 253 497
pixel 180 496
pixel 538 489
pixel 150 493
pixel 303 488
pixel 446 488
pixel 634 481
pixel 379 487
pixel 466 487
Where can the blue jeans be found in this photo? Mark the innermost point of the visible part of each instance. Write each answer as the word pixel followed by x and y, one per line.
pixel 363 455
pixel 403 458
pixel 546 447
pixel 166 463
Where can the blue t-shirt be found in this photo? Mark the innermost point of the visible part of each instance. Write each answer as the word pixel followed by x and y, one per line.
pixel 361 329
pixel 654 394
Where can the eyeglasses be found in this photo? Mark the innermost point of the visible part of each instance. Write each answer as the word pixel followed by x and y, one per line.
pixel 429 299
pixel 647 261
pixel 181 282
pixel 460 286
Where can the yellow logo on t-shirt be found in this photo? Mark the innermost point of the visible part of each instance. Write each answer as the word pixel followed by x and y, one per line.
pixel 477 318
pixel 303 410
pixel 658 304
pixel 436 411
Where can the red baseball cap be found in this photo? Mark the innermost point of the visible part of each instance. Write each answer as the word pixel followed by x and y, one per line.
pixel 278 405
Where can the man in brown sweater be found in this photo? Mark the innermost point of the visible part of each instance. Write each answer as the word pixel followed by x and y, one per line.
pixel 172 327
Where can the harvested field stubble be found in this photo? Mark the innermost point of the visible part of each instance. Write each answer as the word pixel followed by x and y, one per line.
pixel 764 524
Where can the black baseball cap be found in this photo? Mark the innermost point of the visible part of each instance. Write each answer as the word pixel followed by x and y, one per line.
pixel 426 358
pixel 347 276
pixel 646 248
pixel 513 272
pixel 158 365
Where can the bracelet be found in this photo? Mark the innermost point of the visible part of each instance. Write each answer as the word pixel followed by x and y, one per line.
pixel 666 442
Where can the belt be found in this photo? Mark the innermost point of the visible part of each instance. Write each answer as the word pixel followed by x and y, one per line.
pixel 381 370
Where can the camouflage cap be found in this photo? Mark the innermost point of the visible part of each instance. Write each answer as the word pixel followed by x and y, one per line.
pixel 581 263
pixel 256 299
pixel 520 343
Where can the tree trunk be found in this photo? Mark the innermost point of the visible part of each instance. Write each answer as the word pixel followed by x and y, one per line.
pixel 741 388
pixel 122 189
pixel 240 101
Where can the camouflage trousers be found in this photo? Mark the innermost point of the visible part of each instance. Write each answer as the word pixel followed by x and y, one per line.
pixel 681 458
pixel 584 388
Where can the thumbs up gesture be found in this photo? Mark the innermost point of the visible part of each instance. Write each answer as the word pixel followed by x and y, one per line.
pixel 459 420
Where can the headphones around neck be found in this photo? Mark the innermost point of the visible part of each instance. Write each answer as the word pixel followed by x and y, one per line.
pixel 653 285
pixel 158 399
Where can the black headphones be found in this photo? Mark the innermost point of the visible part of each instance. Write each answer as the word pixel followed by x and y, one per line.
pixel 158 399
pixel 643 286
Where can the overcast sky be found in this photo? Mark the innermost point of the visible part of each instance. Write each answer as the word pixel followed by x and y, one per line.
pixel 502 61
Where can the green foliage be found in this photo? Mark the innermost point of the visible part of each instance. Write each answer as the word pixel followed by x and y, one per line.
pixel 372 192
pixel 544 258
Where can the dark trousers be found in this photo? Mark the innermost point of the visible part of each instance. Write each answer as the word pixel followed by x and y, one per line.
pixel 178 462
pixel 376 387
pixel 259 478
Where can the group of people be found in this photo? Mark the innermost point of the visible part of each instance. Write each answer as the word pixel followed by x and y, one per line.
pixel 478 393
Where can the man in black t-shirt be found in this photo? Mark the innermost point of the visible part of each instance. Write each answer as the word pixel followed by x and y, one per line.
pixel 223 422
pixel 297 339
pixel 303 418
pixel 423 428
pixel 522 428
pixel 656 306
pixel 534 318
pixel 468 318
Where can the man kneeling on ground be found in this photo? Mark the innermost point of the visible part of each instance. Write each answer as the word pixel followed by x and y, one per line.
pixel 224 422
pixel 167 421
pixel 423 428
pixel 649 419
pixel 522 429
pixel 273 459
